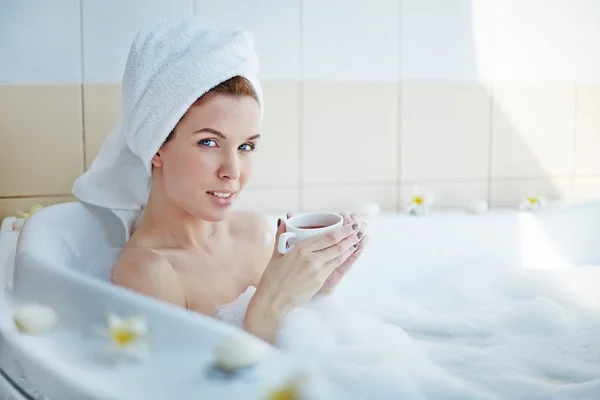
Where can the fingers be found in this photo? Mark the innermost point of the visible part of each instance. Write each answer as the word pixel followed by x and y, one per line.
pixel 347 218
pixel 328 239
pixel 339 259
pixel 362 245
pixel 280 230
pixel 349 243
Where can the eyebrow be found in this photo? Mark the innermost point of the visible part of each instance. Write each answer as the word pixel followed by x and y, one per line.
pixel 217 133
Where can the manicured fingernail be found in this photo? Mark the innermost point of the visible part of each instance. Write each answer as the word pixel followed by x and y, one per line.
pixel 360 234
pixel 354 226
pixel 278 222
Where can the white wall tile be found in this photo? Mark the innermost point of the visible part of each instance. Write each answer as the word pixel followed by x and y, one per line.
pixel 547 40
pixel 445 131
pixel 446 40
pixel 275 25
pixel 446 195
pixel 533 130
pixel 587 42
pixel 587 140
pixel 40 42
pixel 348 198
pixel 351 41
pixel 109 27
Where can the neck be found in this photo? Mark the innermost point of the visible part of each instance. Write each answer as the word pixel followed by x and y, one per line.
pixel 171 226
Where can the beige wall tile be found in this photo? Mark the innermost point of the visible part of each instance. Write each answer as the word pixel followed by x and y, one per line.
pixel 586 187
pixel 446 195
pixel 445 131
pixel 41 150
pixel 278 156
pixel 10 206
pixel 587 140
pixel 350 132
pixel 349 197
pixel 269 200
pixel 532 130
pixel 511 193
pixel 102 108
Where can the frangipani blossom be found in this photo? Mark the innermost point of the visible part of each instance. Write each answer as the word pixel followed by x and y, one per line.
pixel 532 203
pixel 22 217
pixel 127 337
pixel 419 202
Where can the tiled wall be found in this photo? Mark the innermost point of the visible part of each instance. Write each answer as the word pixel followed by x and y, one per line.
pixel 365 99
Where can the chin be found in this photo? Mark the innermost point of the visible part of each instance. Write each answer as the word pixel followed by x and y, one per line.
pixel 209 209
pixel 209 212
pixel 214 216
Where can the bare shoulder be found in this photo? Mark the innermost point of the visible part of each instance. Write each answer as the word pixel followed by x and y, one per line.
pixel 148 272
pixel 255 229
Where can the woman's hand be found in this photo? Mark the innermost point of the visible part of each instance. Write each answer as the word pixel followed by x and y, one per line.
pixel 336 276
pixel 292 279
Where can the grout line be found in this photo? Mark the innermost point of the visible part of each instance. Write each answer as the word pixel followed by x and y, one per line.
pixel 399 113
pixel 301 108
pixel 37 196
pixel 574 152
pixel 84 166
pixel 491 142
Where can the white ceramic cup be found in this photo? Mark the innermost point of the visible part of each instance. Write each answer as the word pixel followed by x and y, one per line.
pixel 304 226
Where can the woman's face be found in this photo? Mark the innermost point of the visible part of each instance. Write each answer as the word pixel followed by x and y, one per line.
pixel 209 158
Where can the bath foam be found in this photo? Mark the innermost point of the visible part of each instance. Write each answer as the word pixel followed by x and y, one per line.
pixel 531 336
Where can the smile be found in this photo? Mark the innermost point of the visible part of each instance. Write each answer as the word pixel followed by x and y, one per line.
pixel 221 194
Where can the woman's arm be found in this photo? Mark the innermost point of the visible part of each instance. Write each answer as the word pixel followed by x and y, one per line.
pixel 292 279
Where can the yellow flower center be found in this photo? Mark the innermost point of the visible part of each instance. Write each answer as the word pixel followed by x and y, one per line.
pixel 286 393
pixel 124 337
pixel 532 200
pixel 419 200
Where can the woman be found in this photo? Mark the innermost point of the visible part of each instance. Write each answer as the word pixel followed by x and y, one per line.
pixel 183 151
pixel 191 250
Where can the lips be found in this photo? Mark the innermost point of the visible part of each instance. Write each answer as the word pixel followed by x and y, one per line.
pixel 222 194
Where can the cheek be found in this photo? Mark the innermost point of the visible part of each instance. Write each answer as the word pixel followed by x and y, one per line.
pixel 189 168
pixel 247 167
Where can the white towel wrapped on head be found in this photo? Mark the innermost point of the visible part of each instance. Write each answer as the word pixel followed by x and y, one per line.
pixel 171 64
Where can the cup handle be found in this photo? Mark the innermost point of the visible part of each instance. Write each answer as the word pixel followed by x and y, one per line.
pixel 283 239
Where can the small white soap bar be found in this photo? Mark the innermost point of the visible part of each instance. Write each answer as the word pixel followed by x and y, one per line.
pixel 370 209
pixel 237 353
pixel 478 207
pixel 35 318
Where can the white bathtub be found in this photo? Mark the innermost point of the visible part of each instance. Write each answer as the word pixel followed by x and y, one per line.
pixel 62 260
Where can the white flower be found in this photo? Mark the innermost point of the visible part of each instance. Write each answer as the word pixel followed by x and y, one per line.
pixel 21 217
pixel 419 203
pixel 127 337
pixel 35 318
pixel 304 384
pixel 532 203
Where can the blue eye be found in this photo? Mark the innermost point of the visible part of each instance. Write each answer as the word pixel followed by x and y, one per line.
pixel 207 142
pixel 249 147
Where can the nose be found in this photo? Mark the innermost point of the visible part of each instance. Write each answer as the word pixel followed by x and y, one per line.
pixel 230 167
